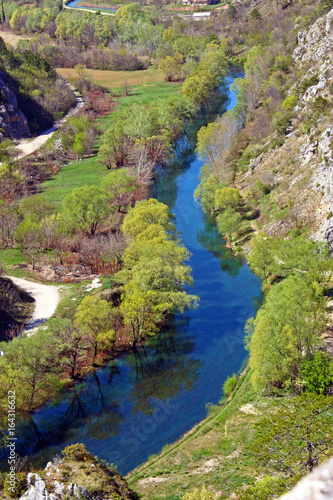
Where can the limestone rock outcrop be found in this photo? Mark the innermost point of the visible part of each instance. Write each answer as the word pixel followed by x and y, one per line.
pixel 13 123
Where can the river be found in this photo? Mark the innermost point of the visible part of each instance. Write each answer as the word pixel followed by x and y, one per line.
pixel 75 4
pixel 132 408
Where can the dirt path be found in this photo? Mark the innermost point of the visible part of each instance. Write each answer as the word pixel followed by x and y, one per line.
pixel 27 147
pixel 46 298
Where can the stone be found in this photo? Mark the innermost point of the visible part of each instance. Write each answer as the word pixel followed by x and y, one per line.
pixel 13 123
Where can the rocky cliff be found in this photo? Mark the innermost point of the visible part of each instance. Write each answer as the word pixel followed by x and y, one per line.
pixel 13 123
pixel 300 171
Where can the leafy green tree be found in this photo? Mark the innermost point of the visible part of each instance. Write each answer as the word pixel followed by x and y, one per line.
pixel 226 198
pixel 70 342
pixel 141 313
pixel 34 359
pixel 119 185
pixel 214 144
pixel 93 317
pixel 296 436
pixel 28 233
pixel 308 259
pixel 171 66
pixel 261 256
pixel 229 385
pixel 232 12
pixel 318 372
pixel 199 87
pixel 154 272
pixel 114 151
pixel 287 327
pixel 86 208
pixel 36 208
pixel 146 213
pixel 205 192
pixel 229 223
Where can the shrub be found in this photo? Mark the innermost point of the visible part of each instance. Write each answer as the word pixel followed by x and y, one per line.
pixel 318 373
pixel 229 385
pixel 313 80
pixel 264 188
pixel 320 104
pixel 19 488
pixel 77 452
pixel 268 487
pixel 290 102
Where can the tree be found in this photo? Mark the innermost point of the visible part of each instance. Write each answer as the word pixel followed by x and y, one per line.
pixel 287 328
pixel 199 87
pixel 146 213
pixel 154 272
pixel 33 358
pixel 86 208
pixel 28 233
pixel 119 185
pixel 93 317
pixel 228 223
pixel 171 66
pixel 205 192
pixel 214 143
pixel 296 436
pixel 70 342
pixel 114 151
pixel 226 198
pixel 261 256
pixel 140 313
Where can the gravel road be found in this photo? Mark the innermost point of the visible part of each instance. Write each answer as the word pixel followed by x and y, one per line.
pixel 27 147
pixel 46 297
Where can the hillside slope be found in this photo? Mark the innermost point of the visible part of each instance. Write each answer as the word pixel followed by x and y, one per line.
pixel 299 171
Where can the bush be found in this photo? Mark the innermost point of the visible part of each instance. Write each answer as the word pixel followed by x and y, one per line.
pixel 290 102
pixel 313 80
pixel 264 188
pixel 318 373
pixel 268 487
pixel 320 105
pixel 229 385
pixel 19 488
pixel 77 452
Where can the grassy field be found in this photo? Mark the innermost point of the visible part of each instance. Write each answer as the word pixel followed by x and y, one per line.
pixel 89 171
pixel 116 79
pixel 211 454
pixel 14 257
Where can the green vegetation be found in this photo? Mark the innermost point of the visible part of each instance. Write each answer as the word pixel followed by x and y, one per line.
pixel 154 271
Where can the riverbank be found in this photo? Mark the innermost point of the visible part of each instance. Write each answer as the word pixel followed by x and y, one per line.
pixel 209 452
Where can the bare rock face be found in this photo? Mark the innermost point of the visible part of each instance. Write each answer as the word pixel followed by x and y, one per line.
pixel 317 42
pixel 13 123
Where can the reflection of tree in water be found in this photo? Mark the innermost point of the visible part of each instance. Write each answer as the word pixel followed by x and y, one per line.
pixel 184 153
pixel 88 404
pixel 166 181
pixel 210 238
pixel 162 370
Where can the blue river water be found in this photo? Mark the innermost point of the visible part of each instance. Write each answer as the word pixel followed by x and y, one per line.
pixel 133 407
pixel 75 5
